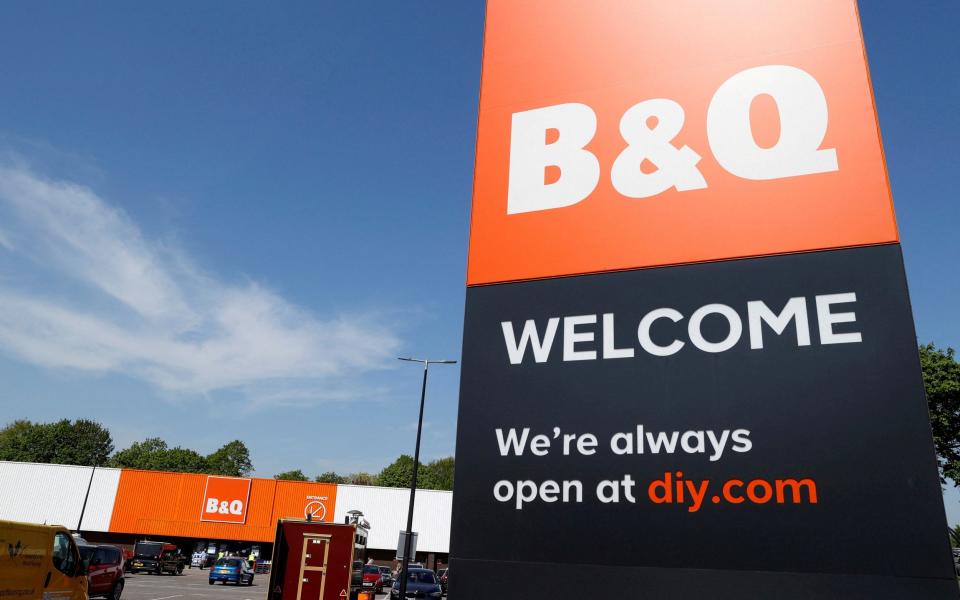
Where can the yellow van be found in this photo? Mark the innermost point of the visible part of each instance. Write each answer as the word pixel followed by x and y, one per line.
pixel 40 561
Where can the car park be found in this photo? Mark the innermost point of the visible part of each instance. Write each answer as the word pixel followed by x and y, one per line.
pixel 231 570
pixel 421 583
pixel 104 570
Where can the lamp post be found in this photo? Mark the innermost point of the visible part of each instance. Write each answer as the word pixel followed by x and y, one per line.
pixel 83 509
pixel 416 464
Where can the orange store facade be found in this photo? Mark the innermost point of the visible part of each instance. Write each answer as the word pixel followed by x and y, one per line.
pixel 174 505
pixel 207 513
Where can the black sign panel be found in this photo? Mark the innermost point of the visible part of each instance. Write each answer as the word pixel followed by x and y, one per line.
pixel 750 428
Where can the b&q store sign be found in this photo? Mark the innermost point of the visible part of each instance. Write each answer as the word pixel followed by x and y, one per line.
pixel 210 507
pixel 689 361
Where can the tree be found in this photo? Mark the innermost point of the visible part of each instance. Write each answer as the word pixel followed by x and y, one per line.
pixel 184 460
pixel 295 475
pixel 231 459
pixel 436 475
pixel 361 479
pixel 153 454
pixel 330 477
pixel 954 536
pixel 16 443
pixel 80 442
pixel 399 473
pixel 140 455
pixel 83 442
pixel 941 381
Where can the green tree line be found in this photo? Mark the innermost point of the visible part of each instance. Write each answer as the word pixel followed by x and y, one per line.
pixel 434 475
pixel 85 442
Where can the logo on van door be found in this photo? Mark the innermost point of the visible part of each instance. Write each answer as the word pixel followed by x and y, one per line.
pixel 225 500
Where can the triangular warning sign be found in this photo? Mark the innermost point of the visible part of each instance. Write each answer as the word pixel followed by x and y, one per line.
pixel 343 593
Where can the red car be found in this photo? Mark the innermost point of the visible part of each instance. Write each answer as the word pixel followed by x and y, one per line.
pixel 105 575
pixel 443 574
pixel 372 578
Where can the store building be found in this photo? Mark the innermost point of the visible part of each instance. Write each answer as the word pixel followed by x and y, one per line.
pixel 211 513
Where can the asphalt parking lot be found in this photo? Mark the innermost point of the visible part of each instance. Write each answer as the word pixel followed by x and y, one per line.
pixel 193 584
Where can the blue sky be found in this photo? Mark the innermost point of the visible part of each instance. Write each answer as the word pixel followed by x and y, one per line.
pixel 225 220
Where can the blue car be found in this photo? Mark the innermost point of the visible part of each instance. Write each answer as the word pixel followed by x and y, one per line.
pixel 233 570
pixel 421 583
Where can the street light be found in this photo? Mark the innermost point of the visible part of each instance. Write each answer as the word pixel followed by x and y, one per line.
pixel 83 509
pixel 416 464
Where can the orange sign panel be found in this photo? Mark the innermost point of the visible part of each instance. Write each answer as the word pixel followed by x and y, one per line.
pixel 622 134
pixel 225 500
pixel 154 503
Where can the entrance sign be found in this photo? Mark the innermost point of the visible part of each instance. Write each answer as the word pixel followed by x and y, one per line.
pixel 689 358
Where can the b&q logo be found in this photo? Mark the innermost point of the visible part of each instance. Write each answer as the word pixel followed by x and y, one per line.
pixel 225 500
pixel 649 128
pixel 619 134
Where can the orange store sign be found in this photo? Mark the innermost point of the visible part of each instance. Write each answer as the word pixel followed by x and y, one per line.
pixel 155 503
pixel 225 500
pixel 724 131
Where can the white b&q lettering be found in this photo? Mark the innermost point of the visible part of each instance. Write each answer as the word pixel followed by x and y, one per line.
pixel 675 167
pixel 529 156
pixel 216 506
pixel 649 128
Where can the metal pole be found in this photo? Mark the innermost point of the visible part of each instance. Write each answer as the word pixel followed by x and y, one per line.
pixel 87 497
pixel 413 488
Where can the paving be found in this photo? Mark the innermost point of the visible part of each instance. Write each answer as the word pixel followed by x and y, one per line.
pixel 191 585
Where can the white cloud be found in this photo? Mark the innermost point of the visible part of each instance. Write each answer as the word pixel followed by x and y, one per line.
pixel 114 301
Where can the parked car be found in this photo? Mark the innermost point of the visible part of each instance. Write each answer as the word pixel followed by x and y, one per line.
pixel 442 576
pixel 157 558
pixel 386 576
pixel 356 578
pixel 372 578
pixel 421 583
pixel 127 551
pixel 41 557
pixel 104 570
pixel 231 569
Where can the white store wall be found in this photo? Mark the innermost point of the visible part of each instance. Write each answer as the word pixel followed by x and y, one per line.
pixel 53 494
pixel 386 509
